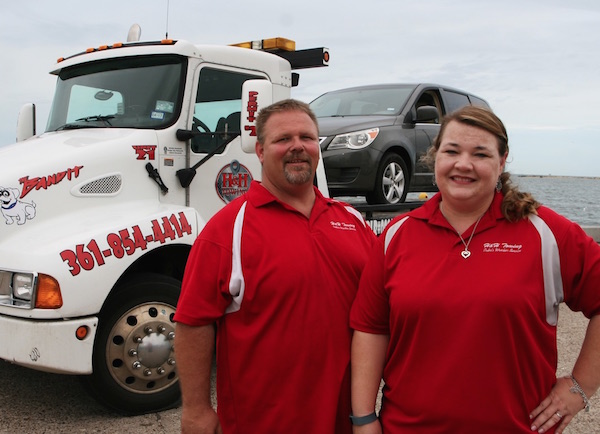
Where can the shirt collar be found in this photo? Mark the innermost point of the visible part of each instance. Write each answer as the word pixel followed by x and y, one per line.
pixel 259 196
pixel 430 211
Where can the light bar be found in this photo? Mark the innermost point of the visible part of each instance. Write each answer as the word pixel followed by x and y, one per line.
pixel 119 45
pixel 271 44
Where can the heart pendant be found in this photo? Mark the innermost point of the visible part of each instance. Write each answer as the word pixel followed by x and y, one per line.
pixel 465 254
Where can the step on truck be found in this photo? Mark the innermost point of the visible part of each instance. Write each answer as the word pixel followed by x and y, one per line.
pixel 145 141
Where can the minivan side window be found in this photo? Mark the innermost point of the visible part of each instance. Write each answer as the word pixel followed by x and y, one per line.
pixel 478 102
pixel 430 98
pixel 455 100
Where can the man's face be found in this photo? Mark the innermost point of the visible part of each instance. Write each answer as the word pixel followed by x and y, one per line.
pixel 290 152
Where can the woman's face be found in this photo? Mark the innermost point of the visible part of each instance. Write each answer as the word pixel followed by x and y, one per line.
pixel 467 167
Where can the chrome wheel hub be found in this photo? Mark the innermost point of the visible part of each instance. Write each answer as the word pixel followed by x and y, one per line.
pixel 139 352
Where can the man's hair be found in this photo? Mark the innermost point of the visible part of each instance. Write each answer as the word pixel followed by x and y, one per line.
pixel 279 107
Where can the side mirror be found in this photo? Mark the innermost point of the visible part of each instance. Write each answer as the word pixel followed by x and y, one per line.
pixel 427 113
pixel 256 94
pixel 26 122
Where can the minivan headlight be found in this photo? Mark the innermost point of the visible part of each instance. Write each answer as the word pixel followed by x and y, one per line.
pixel 354 140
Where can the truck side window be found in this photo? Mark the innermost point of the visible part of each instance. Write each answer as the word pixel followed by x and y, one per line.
pixel 217 108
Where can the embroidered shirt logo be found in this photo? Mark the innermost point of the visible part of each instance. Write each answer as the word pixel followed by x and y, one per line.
pixel 502 248
pixel 343 226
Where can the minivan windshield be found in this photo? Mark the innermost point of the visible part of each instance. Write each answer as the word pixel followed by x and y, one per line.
pixel 362 101
pixel 133 92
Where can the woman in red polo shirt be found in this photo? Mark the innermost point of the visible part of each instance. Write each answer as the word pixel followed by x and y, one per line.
pixel 458 306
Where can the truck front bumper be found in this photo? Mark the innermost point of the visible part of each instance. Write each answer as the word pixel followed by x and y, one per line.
pixel 51 346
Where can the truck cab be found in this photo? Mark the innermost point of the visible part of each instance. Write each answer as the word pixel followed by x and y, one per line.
pixel 145 141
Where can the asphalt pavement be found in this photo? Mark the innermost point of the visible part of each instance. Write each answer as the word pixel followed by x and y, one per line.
pixel 43 403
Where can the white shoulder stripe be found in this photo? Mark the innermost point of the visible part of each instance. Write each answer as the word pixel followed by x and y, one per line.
pixel 236 281
pixel 392 231
pixel 357 214
pixel 553 287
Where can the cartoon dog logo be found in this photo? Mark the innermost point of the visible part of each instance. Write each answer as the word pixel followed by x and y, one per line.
pixel 14 209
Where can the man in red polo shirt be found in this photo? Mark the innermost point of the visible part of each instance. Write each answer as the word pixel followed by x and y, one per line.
pixel 276 270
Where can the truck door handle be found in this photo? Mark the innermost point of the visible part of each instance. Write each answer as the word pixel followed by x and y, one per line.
pixel 153 173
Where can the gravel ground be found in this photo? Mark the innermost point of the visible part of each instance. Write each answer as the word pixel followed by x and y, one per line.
pixel 37 402
pixel 571 331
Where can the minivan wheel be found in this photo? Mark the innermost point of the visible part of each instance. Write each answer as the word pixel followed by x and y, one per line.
pixel 391 184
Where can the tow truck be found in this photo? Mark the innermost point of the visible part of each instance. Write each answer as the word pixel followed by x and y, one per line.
pixel 145 141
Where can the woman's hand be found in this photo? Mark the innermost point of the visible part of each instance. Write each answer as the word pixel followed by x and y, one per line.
pixel 558 408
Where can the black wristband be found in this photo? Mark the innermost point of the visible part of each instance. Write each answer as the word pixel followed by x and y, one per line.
pixel 363 420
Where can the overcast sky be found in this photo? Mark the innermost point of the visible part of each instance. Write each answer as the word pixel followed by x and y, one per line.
pixel 536 62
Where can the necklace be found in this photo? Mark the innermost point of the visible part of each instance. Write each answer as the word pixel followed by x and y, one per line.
pixel 465 253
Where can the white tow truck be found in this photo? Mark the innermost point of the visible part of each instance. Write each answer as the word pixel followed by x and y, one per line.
pixel 145 141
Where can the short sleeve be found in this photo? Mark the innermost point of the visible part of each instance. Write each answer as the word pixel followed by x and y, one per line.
pixel 370 310
pixel 204 293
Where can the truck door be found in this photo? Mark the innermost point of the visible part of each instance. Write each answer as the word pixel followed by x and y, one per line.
pixel 216 118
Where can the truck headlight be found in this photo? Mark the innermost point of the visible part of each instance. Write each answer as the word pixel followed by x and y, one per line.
pixel 5 283
pixel 354 140
pixel 29 290
pixel 23 284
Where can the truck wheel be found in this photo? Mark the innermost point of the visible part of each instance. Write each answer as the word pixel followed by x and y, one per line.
pixel 134 360
pixel 391 184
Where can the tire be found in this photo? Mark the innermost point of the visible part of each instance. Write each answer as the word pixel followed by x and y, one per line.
pixel 391 184
pixel 134 361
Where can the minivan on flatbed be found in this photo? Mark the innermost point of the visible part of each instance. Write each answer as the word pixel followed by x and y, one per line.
pixel 372 137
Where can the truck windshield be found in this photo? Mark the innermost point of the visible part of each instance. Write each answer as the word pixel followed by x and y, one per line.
pixel 136 92
pixel 362 101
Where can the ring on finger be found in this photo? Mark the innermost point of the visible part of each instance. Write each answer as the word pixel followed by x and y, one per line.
pixel 558 414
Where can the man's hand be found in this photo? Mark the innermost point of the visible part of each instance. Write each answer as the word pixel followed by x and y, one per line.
pixel 204 422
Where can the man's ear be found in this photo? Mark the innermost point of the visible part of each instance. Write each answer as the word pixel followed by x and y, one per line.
pixel 260 151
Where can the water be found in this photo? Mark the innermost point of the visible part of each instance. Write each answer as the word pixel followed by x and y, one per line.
pixel 576 198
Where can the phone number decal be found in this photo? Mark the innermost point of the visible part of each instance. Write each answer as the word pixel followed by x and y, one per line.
pixel 125 242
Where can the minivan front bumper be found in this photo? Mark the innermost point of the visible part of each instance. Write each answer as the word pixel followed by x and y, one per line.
pixel 351 171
